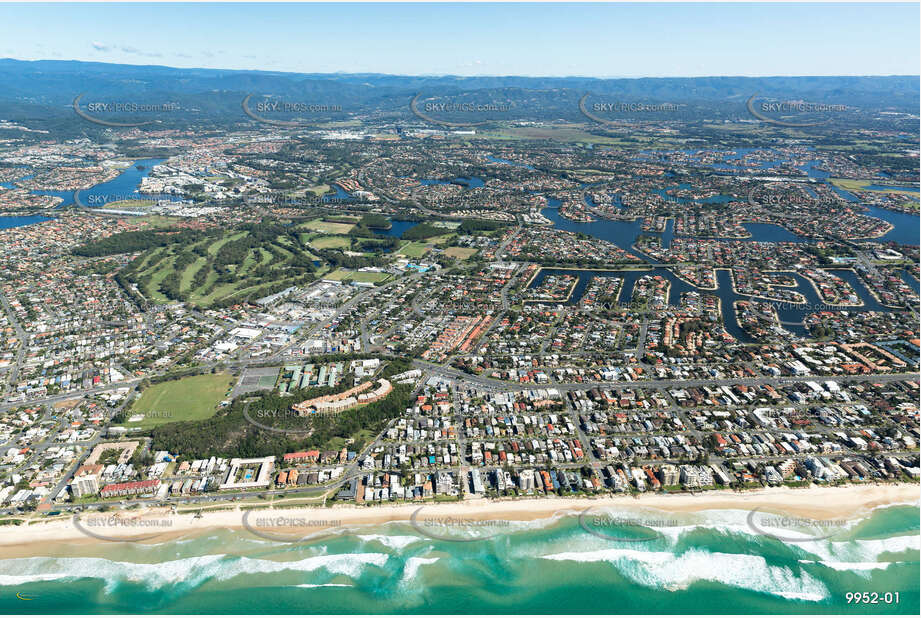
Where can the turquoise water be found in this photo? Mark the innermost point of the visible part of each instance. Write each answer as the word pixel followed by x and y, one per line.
pixel 701 563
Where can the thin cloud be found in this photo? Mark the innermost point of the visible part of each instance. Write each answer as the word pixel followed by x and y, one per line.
pixel 125 49
pixel 137 52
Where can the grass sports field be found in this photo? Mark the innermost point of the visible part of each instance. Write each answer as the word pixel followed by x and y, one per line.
pixel 344 274
pixel 461 253
pixel 327 227
pixel 131 204
pixel 331 242
pixel 186 399
pixel 414 249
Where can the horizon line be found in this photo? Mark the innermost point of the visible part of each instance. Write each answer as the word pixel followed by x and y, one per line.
pixel 435 75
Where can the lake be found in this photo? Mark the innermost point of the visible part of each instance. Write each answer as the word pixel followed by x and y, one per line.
pixel 397 227
pixel 7 223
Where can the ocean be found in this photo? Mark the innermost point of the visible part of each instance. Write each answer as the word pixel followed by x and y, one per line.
pixel 703 563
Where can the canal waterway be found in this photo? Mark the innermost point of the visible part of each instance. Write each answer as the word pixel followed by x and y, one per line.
pixel 790 315
pixel 624 233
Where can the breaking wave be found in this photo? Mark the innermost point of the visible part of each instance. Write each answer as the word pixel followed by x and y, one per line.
pixel 657 569
pixel 186 572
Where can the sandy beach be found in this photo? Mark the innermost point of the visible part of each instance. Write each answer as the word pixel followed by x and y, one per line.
pixel 156 525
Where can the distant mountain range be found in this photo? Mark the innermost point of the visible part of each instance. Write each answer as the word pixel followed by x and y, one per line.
pixel 46 89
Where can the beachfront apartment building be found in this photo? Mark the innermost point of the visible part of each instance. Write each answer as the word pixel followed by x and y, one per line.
pixel 668 475
pixel 134 488
pixel 786 468
pixel 249 473
pixel 86 485
pixel 526 481
pixel 689 476
pixel 444 484
pixel 476 482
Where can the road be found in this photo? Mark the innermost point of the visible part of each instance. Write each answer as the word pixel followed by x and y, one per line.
pixel 20 334
pixel 491 383
pixel 641 340
pixel 494 383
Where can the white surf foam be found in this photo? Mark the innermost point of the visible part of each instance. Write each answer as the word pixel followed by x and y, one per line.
pixel 849 566
pixel 15 580
pixel 861 550
pixel 659 569
pixel 391 541
pixel 186 571
pixel 412 566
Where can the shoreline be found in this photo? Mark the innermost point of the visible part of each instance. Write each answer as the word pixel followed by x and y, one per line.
pixel 847 502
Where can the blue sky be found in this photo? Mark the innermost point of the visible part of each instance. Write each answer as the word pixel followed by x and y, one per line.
pixel 602 40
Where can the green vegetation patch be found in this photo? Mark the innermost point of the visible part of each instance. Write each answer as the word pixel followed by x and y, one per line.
pixel 563 133
pixel 142 240
pixel 130 204
pixel 861 185
pixel 461 253
pixel 345 274
pixel 331 242
pixel 222 268
pixel 229 433
pixel 414 249
pixel 469 226
pixel 422 231
pixel 368 277
pixel 328 227
pixel 187 399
